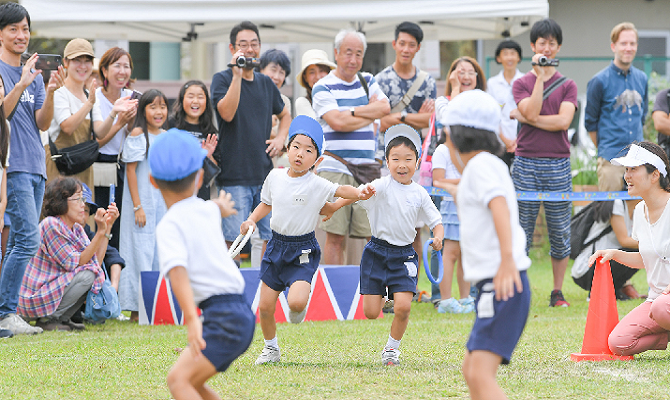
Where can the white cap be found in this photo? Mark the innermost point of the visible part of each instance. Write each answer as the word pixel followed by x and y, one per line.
pixel 405 131
pixel 638 156
pixel 473 108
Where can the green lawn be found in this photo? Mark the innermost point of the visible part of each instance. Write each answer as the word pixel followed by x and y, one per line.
pixel 120 360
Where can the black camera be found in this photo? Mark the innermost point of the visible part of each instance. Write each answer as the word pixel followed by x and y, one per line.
pixel 543 61
pixel 245 62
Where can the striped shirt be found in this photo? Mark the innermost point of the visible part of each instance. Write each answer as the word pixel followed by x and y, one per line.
pixel 53 268
pixel 332 93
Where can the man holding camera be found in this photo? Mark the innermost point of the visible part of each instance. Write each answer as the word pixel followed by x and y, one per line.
pixel 245 102
pixel 546 103
pixel 616 106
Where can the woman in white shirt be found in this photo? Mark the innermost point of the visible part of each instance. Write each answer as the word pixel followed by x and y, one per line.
pixel 648 325
pixel 75 108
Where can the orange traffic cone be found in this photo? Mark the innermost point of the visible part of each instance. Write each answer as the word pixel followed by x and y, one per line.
pixel 601 318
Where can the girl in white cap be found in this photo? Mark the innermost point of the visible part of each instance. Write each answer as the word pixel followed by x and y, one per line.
pixel 648 325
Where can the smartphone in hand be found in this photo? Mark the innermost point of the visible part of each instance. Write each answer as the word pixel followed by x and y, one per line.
pixel 44 61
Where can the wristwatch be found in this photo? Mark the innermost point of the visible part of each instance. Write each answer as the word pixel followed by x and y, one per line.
pixel 352 111
pixel 108 236
pixel 403 114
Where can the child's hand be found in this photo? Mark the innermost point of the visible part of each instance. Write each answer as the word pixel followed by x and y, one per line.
pixel 195 341
pixel 437 243
pixel 328 210
pixel 244 228
pixel 366 192
pixel 506 280
pixel 226 204
pixel 140 218
pixel 210 144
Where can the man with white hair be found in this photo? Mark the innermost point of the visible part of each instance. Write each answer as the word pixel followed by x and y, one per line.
pixel 346 103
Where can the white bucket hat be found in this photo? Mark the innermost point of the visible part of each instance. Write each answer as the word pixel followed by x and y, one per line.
pixel 312 57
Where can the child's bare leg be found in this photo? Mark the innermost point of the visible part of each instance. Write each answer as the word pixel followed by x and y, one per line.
pixel 372 305
pixel 449 257
pixel 463 286
pixel 402 303
pixel 266 310
pixel 298 295
pixel 480 369
pixel 187 377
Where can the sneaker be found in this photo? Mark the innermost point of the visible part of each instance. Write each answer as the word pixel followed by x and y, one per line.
pixel 388 307
pixel 75 326
pixel 450 306
pixel 421 297
pixel 269 355
pixel 390 356
pixel 556 299
pixel 296 317
pixel 5 333
pixel 52 325
pixel 18 326
pixel 122 317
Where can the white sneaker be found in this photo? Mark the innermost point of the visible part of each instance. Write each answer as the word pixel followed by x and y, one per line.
pixel 122 317
pixel 390 356
pixel 18 326
pixel 269 355
pixel 296 317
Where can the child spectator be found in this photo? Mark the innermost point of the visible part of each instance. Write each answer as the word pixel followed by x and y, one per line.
pixel 295 196
pixel 193 254
pixel 492 241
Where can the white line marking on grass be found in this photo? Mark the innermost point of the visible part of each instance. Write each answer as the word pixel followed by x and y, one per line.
pixel 617 373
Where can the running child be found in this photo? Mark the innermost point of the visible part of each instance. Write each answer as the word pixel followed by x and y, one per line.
pixel 194 256
pixel 492 240
pixel 193 112
pixel 295 196
pixel 389 260
pixel 142 205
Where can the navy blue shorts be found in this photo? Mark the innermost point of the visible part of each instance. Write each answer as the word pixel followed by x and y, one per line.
pixel 288 259
pixel 500 333
pixel 227 329
pixel 385 265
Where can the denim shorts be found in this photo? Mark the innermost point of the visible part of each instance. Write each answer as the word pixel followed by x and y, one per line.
pixel 228 328
pixel 288 259
pixel 501 332
pixel 246 199
pixel 385 265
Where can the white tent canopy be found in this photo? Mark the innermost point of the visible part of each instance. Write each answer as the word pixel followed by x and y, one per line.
pixel 279 20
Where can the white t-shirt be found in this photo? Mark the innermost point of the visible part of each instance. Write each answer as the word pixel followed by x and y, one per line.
pixel 486 177
pixel 304 107
pixel 441 159
pixel 395 210
pixel 498 87
pixel 654 243
pixel 65 105
pixel 609 241
pixel 295 202
pixel 112 147
pixel 190 236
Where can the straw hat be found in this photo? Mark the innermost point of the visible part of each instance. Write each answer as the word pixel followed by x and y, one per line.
pixel 312 57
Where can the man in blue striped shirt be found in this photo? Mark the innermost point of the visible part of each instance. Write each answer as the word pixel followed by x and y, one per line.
pixel 346 114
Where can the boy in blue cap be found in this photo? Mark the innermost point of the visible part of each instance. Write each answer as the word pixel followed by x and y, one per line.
pixel 295 196
pixel 193 254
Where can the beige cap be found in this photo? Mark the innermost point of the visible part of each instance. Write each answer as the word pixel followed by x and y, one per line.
pixel 312 57
pixel 78 47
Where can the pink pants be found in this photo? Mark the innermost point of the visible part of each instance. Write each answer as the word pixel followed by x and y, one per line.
pixel 636 332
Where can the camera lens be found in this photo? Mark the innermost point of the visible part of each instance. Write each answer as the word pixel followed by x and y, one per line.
pixel 542 60
pixel 241 62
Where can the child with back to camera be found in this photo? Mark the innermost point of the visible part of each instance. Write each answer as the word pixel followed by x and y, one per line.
pixel 295 196
pixel 194 256
pixel 389 260
pixel 492 240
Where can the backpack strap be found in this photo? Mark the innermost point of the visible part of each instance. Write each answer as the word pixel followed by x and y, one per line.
pixel 551 88
pixel 364 83
pixel 407 98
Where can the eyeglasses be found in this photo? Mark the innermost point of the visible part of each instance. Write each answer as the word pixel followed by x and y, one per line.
pixel 245 45
pixel 471 74
pixel 79 199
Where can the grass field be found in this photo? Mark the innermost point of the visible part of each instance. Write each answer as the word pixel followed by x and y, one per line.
pixel 120 360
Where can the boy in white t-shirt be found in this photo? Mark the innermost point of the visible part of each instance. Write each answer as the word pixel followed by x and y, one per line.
pixel 492 240
pixel 193 254
pixel 389 260
pixel 295 196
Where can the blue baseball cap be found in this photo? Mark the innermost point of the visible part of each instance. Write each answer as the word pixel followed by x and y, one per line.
pixel 308 126
pixel 87 194
pixel 175 155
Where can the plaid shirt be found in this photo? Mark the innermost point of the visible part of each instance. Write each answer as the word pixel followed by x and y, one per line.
pixel 53 268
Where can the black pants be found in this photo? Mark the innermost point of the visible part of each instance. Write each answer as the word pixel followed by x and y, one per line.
pixel 620 274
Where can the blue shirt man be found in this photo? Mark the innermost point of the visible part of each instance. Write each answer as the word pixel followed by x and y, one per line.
pixel 616 106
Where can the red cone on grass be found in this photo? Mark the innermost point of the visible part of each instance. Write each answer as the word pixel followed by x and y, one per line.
pixel 601 318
